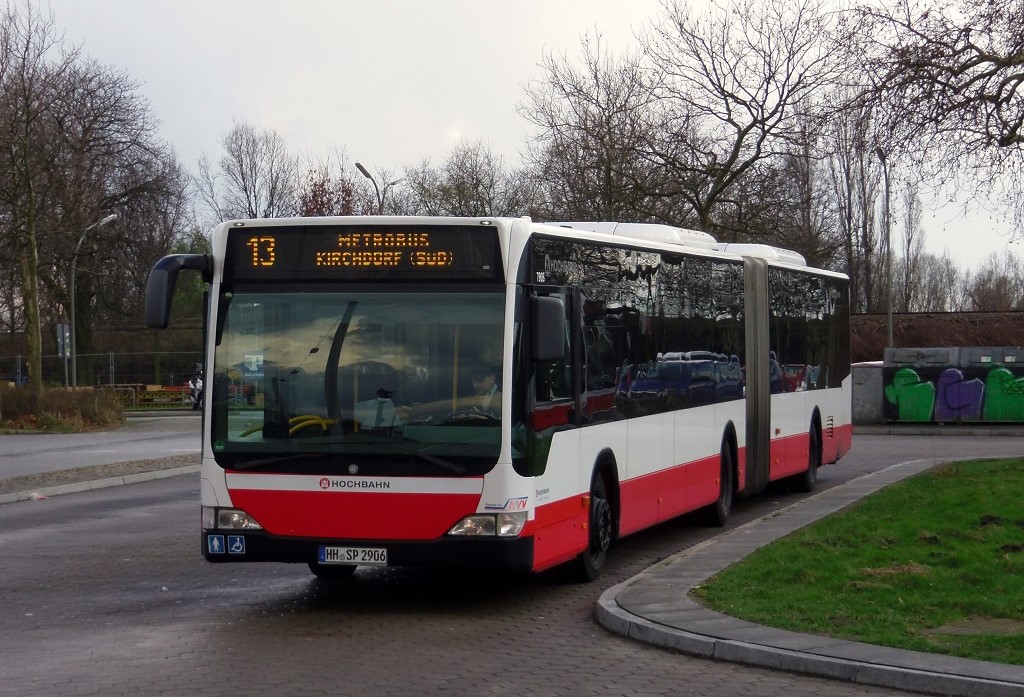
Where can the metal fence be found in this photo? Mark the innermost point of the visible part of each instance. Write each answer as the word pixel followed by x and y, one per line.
pixel 108 369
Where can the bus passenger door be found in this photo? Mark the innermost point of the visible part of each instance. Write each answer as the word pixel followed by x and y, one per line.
pixel 553 415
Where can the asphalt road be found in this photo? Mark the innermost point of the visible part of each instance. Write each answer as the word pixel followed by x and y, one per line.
pixel 105 593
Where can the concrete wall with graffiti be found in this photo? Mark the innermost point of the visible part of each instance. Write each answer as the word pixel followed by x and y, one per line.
pixel 949 385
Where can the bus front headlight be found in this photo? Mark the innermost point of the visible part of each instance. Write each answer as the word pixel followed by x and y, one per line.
pixel 505 524
pixel 228 519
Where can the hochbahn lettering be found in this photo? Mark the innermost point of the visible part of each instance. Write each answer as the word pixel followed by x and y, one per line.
pixel 328 483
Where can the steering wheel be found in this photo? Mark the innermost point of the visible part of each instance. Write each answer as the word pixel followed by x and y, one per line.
pixel 471 416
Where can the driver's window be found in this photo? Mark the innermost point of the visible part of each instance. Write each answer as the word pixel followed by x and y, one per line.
pixel 554 379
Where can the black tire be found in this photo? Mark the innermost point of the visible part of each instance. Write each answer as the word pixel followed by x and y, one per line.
pixel 718 513
pixel 805 481
pixel 591 561
pixel 332 572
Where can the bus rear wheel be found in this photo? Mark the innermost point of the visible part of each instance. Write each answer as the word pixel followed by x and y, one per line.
pixel 591 561
pixel 805 481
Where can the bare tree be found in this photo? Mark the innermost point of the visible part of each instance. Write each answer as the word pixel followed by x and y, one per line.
pixel 11 317
pixel 729 81
pixel 997 285
pixel 33 65
pixel 910 291
pixel 76 144
pixel 154 217
pixel 941 283
pixel 256 176
pixel 471 181
pixel 112 162
pixel 788 201
pixel 855 179
pixel 328 189
pixel 949 75
pixel 594 124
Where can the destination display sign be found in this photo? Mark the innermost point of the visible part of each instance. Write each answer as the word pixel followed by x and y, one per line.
pixel 319 252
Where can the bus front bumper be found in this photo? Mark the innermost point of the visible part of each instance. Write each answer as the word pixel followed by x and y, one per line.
pixel 515 554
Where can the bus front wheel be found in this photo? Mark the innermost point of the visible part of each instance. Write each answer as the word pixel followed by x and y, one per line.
pixel 591 561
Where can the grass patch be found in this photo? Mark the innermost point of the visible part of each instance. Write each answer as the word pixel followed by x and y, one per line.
pixel 58 410
pixel 934 563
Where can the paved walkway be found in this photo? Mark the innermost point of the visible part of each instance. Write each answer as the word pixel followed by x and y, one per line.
pixel 72 481
pixel 654 607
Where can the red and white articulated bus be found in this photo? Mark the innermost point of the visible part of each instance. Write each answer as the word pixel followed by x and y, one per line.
pixel 499 392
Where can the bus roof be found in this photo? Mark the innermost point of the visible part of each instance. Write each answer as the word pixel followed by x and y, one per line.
pixel 686 238
pixel 647 232
pixel 765 251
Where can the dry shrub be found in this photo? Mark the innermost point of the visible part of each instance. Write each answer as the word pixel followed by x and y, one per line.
pixel 933 330
pixel 59 409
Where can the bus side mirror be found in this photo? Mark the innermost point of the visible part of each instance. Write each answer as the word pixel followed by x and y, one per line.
pixel 548 329
pixel 162 280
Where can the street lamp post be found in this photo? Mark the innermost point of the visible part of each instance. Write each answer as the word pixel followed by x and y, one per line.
pixel 74 267
pixel 376 189
pixel 888 242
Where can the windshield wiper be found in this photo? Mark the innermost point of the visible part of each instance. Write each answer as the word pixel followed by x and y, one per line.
pixel 434 460
pixel 403 444
pixel 276 460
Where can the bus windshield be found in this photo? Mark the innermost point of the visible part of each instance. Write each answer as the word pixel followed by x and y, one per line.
pixel 401 382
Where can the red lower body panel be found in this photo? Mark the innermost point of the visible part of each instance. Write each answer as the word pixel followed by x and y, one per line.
pixel 399 509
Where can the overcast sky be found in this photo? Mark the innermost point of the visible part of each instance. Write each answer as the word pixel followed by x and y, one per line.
pixel 390 82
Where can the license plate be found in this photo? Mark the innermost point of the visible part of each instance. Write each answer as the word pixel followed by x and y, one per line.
pixel 370 556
